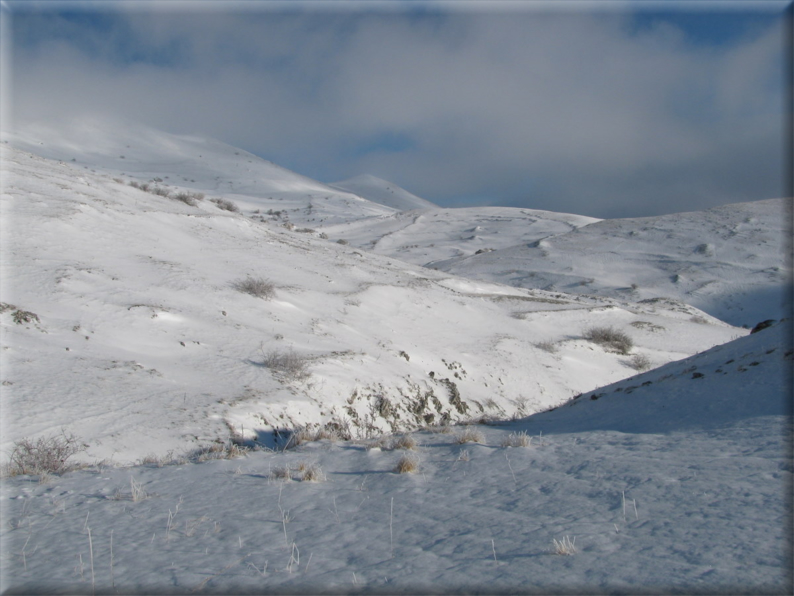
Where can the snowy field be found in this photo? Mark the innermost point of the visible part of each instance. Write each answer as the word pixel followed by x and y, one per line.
pixel 667 482
pixel 166 299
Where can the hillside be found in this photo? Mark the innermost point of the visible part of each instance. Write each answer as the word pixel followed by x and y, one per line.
pixel 139 342
pixel 729 261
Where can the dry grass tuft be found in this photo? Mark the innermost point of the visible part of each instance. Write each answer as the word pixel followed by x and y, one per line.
pixel 566 546
pixel 280 473
pixel 470 435
pixel 406 441
pixel 407 464
pixel 519 439
pixel 313 473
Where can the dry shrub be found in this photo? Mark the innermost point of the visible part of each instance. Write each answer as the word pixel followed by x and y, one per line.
pixel 407 464
pixel 258 287
pixel 640 362
pixel 547 346
pixel 47 455
pixel 226 205
pixel 406 441
pixel 290 365
pixel 610 338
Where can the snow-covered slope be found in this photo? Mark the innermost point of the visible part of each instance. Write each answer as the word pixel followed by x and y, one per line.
pixel 729 261
pixel 140 342
pixel 676 481
pixel 134 151
pixel 381 191
pixel 425 237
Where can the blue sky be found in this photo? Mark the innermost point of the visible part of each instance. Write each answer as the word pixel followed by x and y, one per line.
pixel 604 109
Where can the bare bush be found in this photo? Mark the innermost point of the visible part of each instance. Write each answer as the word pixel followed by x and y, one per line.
pixel 186 198
pixel 226 205
pixel 547 346
pixel 47 455
pixel 610 338
pixel 159 191
pixel 288 364
pixel 255 286
pixel 640 362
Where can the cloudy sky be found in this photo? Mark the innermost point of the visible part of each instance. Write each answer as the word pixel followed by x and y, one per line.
pixel 605 109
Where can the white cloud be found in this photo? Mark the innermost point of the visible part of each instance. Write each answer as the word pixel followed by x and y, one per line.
pixel 504 104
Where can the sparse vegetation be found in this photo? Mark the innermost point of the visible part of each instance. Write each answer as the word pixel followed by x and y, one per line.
pixel 640 362
pixel 517 439
pixel 189 198
pixel 547 346
pixel 610 338
pixel 226 205
pixel 289 364
pixel 24 316
pixel 312 473
pixel 566 546
pixel 469 435
pixel 46 455
pixel 255 286
pixel 407 464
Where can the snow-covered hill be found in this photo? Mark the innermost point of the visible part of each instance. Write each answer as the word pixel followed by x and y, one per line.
pixel 134 151
pixel 729 261
pixel 381 191
pixel 425 237
pixel 676 481
pixel 140 342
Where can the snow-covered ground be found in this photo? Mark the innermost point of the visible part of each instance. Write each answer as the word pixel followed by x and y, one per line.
pixel 729 261
pixel 674 481
pixel 142 344
pixel 123 323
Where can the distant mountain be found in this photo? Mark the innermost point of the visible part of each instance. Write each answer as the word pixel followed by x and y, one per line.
pixel 380 191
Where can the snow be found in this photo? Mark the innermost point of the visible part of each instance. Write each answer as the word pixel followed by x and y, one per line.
pixel 663 500
pixel 121 325
pixel 381 191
